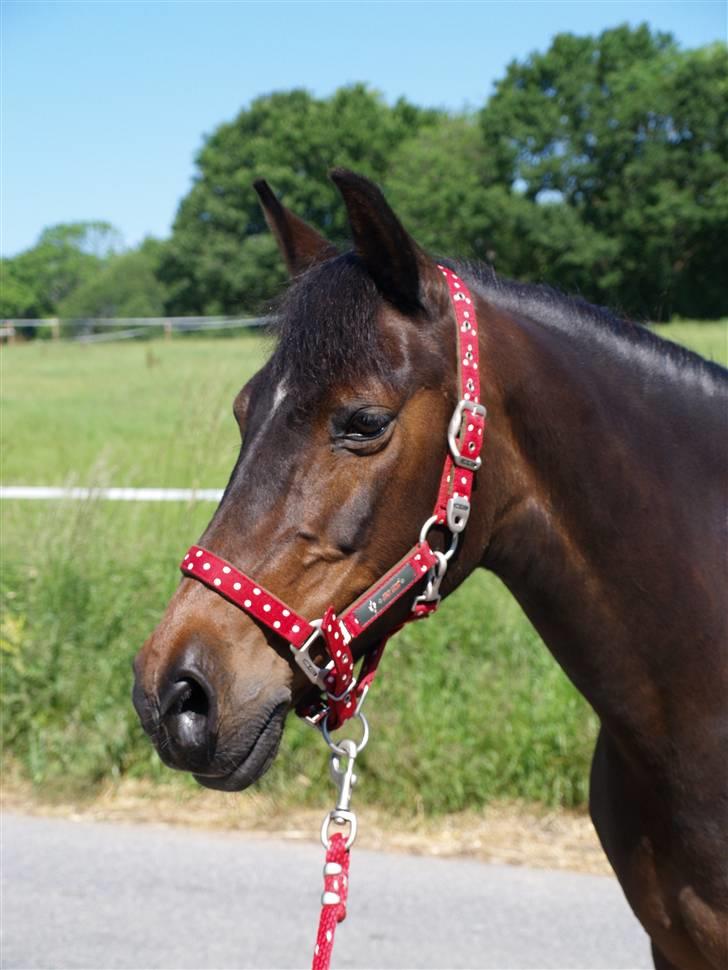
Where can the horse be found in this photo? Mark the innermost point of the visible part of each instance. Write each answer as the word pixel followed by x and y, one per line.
pixel 600 504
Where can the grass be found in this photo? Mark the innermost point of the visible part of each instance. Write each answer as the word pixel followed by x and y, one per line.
pixel 708 339
pixel 478 709
pixel 154 413
pixel 151 413
pixel 81 597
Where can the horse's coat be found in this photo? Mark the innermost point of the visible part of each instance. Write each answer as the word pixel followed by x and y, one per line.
pixel 600 503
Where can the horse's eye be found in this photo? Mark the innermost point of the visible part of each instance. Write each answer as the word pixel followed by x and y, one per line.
pixel 367 423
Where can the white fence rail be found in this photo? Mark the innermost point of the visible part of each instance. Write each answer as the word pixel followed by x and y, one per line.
pixel 45 492
pixel 102 329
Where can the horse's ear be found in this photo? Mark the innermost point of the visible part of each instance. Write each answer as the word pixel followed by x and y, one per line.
pixel 393 259
pixel 301 246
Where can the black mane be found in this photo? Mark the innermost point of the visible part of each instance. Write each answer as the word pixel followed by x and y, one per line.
pixel 574 315
pixel 327 333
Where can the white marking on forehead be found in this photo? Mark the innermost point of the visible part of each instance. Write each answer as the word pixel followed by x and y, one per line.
pixel 278 397
pixel 280 393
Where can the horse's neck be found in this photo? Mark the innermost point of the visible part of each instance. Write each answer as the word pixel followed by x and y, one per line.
pixel 586 532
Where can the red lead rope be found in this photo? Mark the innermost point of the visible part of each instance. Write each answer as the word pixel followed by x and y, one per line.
pixel 333 901
pixel 341 693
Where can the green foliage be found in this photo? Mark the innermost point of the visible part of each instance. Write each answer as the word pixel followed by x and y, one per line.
pixel 441 183
pixel 597 166
pixel 65 257
pixel 629 135
pixel 222 258
pixel 444 185
pixel 17 296
pixel 126 285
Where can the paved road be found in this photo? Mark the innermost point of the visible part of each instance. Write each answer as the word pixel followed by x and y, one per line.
pixel 96 895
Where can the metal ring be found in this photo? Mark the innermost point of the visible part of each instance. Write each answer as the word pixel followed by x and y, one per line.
pixel 426 527
pixel 453 546
pixel 433 520
pixel 340 818
pixel 337 748
pixel 317 675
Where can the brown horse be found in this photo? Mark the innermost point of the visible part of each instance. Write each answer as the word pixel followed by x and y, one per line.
pixel 600 504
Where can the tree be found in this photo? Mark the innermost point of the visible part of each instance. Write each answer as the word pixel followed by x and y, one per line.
pixel 64 257
pixel 439 181
pixel 629 133
pixel 444 182
pixel 126 285
pixel 221 258
pixel 17 298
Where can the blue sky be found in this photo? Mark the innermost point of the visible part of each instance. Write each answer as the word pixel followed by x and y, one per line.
pixel 105 104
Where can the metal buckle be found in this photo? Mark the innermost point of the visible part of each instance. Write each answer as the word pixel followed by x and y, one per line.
pixel 434 580
pixel 315 719
pixel 458 512
pixel 462 461
pixel 344 694
pixel 317 675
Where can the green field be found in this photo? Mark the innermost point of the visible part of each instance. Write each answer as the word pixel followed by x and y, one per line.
pixel 155 413
pixel 478 710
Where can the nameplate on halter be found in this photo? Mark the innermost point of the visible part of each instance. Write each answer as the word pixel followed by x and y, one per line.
pixel 402 577
pixel 391 590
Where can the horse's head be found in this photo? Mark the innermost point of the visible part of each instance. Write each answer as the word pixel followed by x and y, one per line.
pixel 343 440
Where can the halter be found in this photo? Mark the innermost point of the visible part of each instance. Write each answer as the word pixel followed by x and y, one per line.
pixel 341 692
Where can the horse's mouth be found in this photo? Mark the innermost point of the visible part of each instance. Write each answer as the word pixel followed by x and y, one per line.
pixel 258 758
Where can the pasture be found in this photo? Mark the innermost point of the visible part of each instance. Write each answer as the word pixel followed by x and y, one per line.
pixel 478 711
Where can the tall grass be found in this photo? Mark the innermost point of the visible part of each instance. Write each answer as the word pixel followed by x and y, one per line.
pixel 471 705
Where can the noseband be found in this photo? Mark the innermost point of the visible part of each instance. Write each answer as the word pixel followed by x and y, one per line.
pixel 341 692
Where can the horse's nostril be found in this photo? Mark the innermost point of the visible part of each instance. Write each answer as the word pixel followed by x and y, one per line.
pixel 185 712
pixel 191 698
pixel 187 694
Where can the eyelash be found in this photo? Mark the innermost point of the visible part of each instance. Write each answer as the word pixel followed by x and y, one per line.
pixel 366 425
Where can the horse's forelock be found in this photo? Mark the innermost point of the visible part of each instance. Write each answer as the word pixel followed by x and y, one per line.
pixel 326 325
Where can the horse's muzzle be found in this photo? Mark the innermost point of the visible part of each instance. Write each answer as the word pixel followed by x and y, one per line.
pixel 184 723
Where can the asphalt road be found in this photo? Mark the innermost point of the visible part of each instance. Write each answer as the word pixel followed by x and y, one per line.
pixel 96 895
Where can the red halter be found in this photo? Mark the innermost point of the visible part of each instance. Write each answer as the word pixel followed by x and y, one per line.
pixel 342 694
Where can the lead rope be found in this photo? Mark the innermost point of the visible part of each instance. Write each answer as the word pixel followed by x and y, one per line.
pixel 452 510
pixel 336 887
pixel 336 867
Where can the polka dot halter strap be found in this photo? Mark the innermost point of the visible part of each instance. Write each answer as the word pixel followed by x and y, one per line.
pixel 341 692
